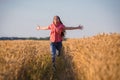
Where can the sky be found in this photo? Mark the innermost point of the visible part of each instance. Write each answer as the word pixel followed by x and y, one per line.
pixel 19 18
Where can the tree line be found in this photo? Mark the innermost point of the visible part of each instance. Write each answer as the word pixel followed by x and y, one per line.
pixel 24 38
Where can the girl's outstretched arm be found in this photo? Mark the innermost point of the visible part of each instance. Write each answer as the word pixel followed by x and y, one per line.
pixel 72 28
pixel 42 28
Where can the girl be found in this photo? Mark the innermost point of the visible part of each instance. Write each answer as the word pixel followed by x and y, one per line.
pixel 57 33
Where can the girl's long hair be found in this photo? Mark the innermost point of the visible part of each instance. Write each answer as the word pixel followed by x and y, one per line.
pixel 63 32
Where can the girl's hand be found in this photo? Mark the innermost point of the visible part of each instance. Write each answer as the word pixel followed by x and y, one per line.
pixel 38 27
pixel 41 28
pixel 80 27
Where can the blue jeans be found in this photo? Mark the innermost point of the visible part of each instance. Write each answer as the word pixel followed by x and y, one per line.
pixel 53 47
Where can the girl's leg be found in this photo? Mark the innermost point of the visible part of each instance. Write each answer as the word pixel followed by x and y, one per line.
pixel 53 52
pixel 59 47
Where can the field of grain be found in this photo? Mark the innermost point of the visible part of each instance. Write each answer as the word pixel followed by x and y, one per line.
pixel 90 58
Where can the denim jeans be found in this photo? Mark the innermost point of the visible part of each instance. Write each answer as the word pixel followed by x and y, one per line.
pixel 53 47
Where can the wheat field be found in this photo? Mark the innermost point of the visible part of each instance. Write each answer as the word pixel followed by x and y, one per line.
pixel 88 58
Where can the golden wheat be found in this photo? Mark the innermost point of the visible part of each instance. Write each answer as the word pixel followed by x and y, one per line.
pixel 91 58
pixel 95 58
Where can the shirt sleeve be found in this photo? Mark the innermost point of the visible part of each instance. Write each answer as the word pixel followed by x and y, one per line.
pixel 63 27
pixel 49 27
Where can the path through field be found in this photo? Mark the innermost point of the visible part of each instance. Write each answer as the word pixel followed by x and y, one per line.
pixel 92 58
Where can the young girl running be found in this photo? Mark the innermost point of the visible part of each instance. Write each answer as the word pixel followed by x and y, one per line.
pixel 56 36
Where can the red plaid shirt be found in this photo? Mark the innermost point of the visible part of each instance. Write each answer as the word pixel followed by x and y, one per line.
pixel 55 35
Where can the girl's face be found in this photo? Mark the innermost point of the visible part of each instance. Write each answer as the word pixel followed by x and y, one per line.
pixel 56 20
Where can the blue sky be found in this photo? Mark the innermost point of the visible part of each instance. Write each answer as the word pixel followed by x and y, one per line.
pixel 19 18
